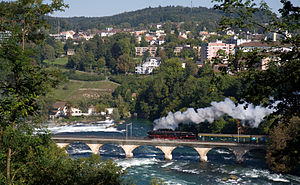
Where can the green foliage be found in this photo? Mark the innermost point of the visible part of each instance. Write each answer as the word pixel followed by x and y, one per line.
pixel 99 54
pixel 156 181
pixel 284 139
pixel 48 53
pixel 206 18
pixel 37 160
pixel 173 89
pixel 59 49
pixel 27 157
pixel 125 64
pixel 278 86
pixel 115 114
pixel 143 42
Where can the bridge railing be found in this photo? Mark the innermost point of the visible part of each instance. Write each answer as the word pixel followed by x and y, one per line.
pixel 99 137
pixel 140 138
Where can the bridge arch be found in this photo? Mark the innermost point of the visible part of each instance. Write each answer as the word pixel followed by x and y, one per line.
pixel 112 150
pixel 78 148
pixel 224 154
pixel 148 151
pixel 186 153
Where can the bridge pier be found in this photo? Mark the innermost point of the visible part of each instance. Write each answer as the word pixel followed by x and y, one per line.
pixel 62 145
pixel 239 153
pixel 128 149
pixel 203 153
pixel 167 150
pixel 95 148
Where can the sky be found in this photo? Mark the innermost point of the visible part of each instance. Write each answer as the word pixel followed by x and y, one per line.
pixel 99 8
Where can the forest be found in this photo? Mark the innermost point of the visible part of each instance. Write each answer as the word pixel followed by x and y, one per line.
pixel 205 17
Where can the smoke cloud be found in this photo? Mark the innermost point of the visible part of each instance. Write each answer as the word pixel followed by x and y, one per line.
pixel 253 114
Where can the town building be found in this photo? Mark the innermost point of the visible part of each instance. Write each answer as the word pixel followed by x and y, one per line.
pixel 71 52
pixel 148 66
pixel 140 51
pixel 62 109
pixel 67 34
pixel 210 50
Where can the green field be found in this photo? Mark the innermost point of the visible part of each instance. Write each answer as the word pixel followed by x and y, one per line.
pixel 75 91
pixel 57 61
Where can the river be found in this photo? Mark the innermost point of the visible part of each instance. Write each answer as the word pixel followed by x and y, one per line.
pixel 184 169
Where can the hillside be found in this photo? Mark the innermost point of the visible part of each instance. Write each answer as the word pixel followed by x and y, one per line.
pixel 74 91
pixel 207 17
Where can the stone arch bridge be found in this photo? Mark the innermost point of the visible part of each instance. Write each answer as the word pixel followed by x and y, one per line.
pixel 166 146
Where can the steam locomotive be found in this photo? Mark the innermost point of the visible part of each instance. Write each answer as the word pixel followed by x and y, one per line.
pixel 182 135
pixel 169 134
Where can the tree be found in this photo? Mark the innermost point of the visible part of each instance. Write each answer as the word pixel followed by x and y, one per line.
pixel 101 63
pixel 125 64
pixel 59 49
pixel 280 82
pixel 28 156
pixel 21 82
pixel 115 114
pixel 284 139
pixel 143 42
pixel 48 53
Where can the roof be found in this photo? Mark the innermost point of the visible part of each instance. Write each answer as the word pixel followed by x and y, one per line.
pixel 157 58
pixel 57 105
pixel 262 44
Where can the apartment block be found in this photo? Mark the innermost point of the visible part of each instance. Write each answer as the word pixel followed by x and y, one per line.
pixel 140 51
pixel 210 50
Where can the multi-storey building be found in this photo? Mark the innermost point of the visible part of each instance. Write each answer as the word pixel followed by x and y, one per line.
pixel 140 51
pixel 210 50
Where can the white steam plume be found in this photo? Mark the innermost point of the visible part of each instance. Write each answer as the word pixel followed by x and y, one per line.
pixel 252 114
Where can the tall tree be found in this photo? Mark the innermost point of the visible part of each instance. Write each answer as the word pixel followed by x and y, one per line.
pixel 21 82
pixel 125 64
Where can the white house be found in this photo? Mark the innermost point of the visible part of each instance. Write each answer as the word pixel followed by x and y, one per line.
pixel 67 34
pixel 109 110
pixel 60 109
pixel 148 66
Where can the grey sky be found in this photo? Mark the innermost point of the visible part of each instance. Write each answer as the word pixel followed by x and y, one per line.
pixel 99 8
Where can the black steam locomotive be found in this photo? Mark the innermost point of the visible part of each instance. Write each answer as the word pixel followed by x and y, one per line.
pixel 170 134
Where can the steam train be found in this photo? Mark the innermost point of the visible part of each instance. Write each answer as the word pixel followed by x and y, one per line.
pixel 169 134
pixel 181 135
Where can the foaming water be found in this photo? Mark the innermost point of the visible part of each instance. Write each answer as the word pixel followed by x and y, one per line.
pixel 185 173
pixel 80 127
pixel 128 163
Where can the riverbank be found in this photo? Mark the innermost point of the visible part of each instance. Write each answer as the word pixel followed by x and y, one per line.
pixel 81 119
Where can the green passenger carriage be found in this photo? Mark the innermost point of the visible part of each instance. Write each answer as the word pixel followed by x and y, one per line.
pixel 247 139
